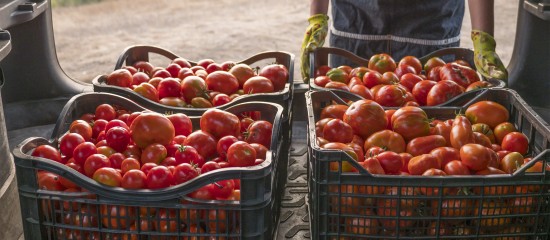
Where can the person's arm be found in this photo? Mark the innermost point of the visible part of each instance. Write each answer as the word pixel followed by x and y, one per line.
pixel 318 7
pixel 486 59
pixel 482 15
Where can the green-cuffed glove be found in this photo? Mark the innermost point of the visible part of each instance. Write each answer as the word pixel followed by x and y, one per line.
pixel 314 37
pixel 485 58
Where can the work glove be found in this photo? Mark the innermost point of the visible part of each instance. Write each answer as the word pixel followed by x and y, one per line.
pixel 314 37
pixel 485 58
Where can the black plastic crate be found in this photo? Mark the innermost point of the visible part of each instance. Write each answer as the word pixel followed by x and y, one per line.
pixel 321 56
pixel 86 215
pixel 352 205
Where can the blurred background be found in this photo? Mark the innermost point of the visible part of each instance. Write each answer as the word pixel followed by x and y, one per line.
pixel 90 34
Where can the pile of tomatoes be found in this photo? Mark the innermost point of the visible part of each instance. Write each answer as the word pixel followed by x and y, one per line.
pixel 207 84
pixel 147 150
pixel 406 83
pixel 405 141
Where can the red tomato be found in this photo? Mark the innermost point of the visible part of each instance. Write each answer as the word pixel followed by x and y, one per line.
pixel 391 162
pixel 365 117
pixel 462 75
pixel 118 138
pixel 147 90
pixel 49 181
pixel 382 63
pixel 188 154
pixel 478 85
pixel 406 157
pixel 434 74
pixel 150 127
pixel 511 162
pixel 154 153
pixel 242 72
pixel 322 70
pixel 220 123
pixel 192 87
pixel 386 139
pixel 83 151
pixel 515 142
pixel 277 73
pixel 480 138
pixel 423 145
pixel 373 78
pixel 476 157
pixel 410 122
pixel 224 143
pixel 456 167
pixel 421 89
pixel 333 111
pixel 82 128
pixel 337 85
pixel 209 166
pixel 321 81
pixel 442 92
pixel 158 177
pixel 409 80
pixel 108 176
pixel 372 165
pixel 502 130
pixel 390 96
pixel 116 160
pixel 143 66
pixel 258 84
pixel 401 70
pixel 95 162
pixel 433 62
pixel 260 132
pixel 362 91
pixel 419 164
pixel 129 164
pixel 488 112
pixel 184 172
pixel 223 82
pixel 446 154
pixel 411 61
pixel 461 132
pixel 203 142
pixel 48 152
pixel 241 154
pixel 443 129
pixel 337 130
pixel 223 189
pixel 120 77
pixel 169 87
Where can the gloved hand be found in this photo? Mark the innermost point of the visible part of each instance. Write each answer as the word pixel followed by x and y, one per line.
pixel 313 38
pixel 485 58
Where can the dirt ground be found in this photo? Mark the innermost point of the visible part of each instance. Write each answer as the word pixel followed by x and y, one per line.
pixel 89 38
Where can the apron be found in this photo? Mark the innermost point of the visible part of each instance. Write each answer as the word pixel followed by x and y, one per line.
pixel 396 27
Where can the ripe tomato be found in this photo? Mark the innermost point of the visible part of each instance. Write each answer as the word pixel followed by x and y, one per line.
pixel 140 77
pixel 241 154
pixel 158 177
pixel 423 145
pixel 203 142
pixel 391 162
pixel 411 61
pixel 150 127
pixel 502 130
pixel 433 62
pixel 442 92
pixel 258 84
pixel 48 152
pixel 129 164
pixel 132 151
pixel 108 176
pixel 478 85
pixel 120 77
pixel 223 82
pixel 382 63
pixel 346 166
pixel 386 139
pixel 223 189
pixel 365 117
pixel 511 162
pixel 169 87
pixel 118 138
pixel 95 162
pixel 143 66
pixel 488 112
pixel 192 87
pixel 372 78
pixel 456 167
pixel 220 123
pixel 446 154
pixel 337 130
pixel 321 81
pixel 337 85
pixel 260 132
pixel 154 153
pixel 224 143
pixel 362 91
pixel 242 72
pixel 461 132
pixel 443 129
pixel 277 73
pixel 480 138
pixel 83 151
pixel 68 143
pixel 515 142
pixel 462 75
pixel 188 154
pixel 147 90
pixel 184 172
pixel 49 181
pixel 409 80
pixel 173 101
pixel 410 122
pixel 333 111
pixel 390 96
pixel 476 157
pixel 421 89
pixel 82 128
pixel 322 70
pixel 419 164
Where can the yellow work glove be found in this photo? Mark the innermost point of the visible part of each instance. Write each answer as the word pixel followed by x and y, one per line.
pixel 313 38
pixel 485 58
